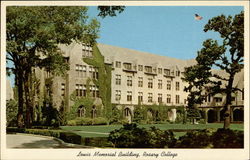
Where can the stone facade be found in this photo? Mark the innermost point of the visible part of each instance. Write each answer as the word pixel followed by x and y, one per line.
pixel 137 77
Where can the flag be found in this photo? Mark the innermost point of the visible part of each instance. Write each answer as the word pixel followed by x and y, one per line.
pixel 197 17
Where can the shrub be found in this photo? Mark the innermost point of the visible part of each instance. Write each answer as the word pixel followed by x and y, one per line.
pixel 14 130
pixel 11 113
pixel 195 139
pixel 83 121
pixel 226 138
pixel 131 136
pixel 71 123
pixel 160 139
pixel 70 137
pixel 44 132
pixel 100 121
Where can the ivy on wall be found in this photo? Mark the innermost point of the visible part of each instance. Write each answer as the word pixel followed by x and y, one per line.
pixel 103 81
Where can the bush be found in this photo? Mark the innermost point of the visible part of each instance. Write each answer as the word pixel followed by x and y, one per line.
pixel 100 121
pixel 195 139
pixel 11 113
pixel 70 137
pixel 44 132
pixel 160 139
pixel 87 121
pixel 131 136
pixel 83 121
pixel 226 138
pixel 71 123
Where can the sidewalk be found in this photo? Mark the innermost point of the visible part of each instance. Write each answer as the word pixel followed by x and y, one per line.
pixel 37 141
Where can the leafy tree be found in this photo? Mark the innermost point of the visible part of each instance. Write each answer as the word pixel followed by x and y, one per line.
pixel 33 35
pixel 11 112
pixel 227 56
pixel 110 10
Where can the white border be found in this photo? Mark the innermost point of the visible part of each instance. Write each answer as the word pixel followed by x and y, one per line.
pixel 67 154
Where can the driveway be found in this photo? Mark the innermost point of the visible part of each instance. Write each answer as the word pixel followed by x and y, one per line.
pixel 36 141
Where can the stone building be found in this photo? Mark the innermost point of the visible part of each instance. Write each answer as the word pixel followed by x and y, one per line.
pixel 136 78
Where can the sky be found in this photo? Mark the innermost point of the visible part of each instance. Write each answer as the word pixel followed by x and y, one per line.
pixel 164 30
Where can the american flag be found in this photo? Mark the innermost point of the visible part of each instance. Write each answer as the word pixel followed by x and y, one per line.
pixel 197 17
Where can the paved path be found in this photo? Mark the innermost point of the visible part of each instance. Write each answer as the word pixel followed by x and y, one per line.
pixel 31 141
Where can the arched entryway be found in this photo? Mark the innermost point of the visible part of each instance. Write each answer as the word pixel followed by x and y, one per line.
pixel 128 114
pixel 211 116
pixel 238 115
pixel 81 111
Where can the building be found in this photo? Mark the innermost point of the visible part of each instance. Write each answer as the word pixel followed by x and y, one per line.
pixel 9 90
pixel 136 78
pixel 213 105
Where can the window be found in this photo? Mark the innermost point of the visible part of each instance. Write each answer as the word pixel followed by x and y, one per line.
pixel 148 69
pixel 150 83
pixel 168 98
pixel 81 70
pixel 80 90
pixel 177 73
pixel 218 99
pixel 95 73
pixel 150 97
pixel 118 95
pixel 118 64
pixel 140 67
pixel 62 89
pixel 81 111
pixel 159 84
pixel 185 101
pixel 168 85
pixel 140 97
pixel 167 72
pixel 140 82
pixel 129 96
pixel 94 90
pixel 87 51
pixel 233 99
pixel 118 79
pixel 177 99
pixel 93 112
pixel 160 70
pixel 160 98
pixel 127 66
pixel 209 98
pixel 129 81
pixel 177 86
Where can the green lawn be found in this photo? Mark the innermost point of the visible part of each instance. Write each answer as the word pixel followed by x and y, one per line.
pixel 103 131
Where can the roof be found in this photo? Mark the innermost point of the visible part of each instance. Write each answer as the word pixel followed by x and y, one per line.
pixel 113 53
pixel 238 79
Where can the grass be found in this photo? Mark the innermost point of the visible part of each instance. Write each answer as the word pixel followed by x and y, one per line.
pixel 103 130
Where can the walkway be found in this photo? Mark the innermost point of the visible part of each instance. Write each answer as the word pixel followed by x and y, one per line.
pixel 36 141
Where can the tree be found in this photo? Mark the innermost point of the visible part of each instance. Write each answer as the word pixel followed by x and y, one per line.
pixel 227 56
pixel 33 35
pixel 110 10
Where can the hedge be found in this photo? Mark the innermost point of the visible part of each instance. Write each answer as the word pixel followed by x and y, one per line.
pixel 68 137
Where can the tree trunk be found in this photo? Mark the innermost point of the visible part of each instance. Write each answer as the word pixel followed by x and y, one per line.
pixel 227 117
pixel 19 83
pixel 228 102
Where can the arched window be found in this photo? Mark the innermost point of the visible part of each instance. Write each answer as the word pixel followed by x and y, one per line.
pixel 81 111
pixel 93 112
